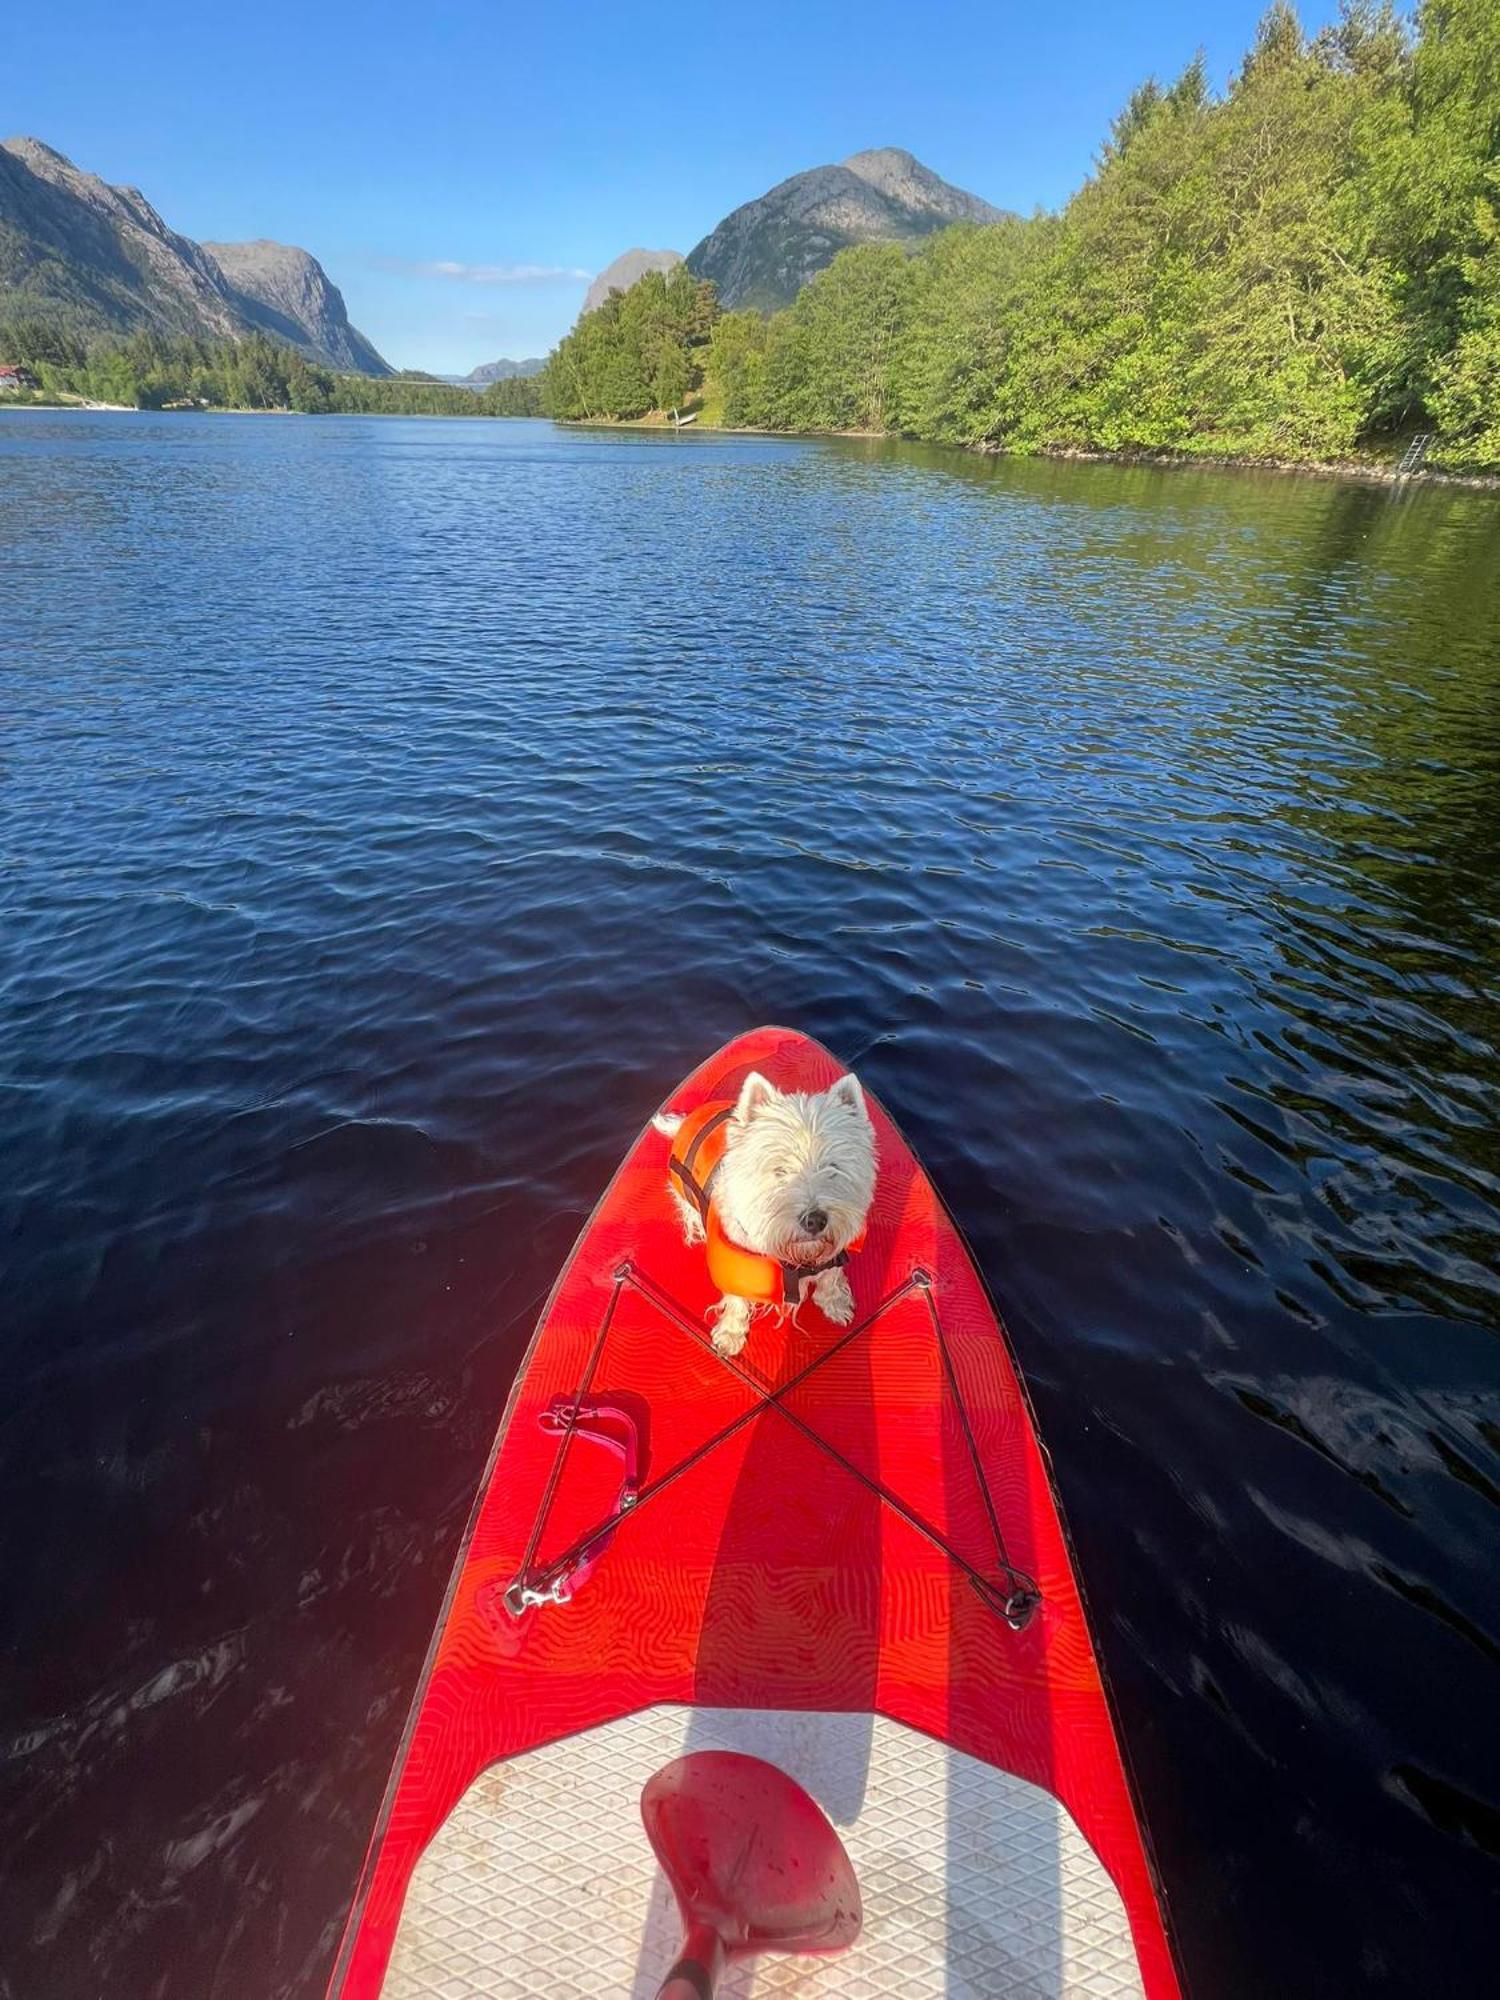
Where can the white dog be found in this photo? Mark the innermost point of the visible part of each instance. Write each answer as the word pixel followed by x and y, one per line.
pixel 784 1176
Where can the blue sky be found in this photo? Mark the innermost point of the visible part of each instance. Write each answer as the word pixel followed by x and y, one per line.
pixel 460 169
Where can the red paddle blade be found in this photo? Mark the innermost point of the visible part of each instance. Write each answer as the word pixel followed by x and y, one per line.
pixel 750 1855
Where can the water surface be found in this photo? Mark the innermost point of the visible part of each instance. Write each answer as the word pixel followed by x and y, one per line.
pixel 391 813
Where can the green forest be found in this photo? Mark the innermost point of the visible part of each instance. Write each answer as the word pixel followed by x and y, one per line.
pixel 642 350
pixel 157 372
pixel 1304 267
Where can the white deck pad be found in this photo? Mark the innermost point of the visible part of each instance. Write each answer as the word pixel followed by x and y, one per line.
pixel 974 1882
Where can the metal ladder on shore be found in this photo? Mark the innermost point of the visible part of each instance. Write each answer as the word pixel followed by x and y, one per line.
pixel 1414 454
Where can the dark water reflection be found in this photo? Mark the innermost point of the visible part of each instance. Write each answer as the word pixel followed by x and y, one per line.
pixel 393 811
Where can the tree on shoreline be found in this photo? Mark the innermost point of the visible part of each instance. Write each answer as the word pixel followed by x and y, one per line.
pixel 642 350
pixel 155 371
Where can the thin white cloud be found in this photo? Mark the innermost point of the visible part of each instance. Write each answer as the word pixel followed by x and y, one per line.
pixel 491 274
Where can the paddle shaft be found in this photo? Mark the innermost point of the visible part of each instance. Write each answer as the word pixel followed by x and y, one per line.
pixel 698 1966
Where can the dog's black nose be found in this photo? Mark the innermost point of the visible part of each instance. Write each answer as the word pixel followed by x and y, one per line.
pixel 814 1221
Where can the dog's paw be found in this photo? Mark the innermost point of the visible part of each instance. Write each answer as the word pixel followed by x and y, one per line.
pixel 833 1298
pixel 731 1319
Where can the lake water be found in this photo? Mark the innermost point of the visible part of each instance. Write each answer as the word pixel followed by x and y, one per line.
pixel 391 813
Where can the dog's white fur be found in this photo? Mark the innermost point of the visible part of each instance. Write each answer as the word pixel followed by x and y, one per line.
pixel 789 1156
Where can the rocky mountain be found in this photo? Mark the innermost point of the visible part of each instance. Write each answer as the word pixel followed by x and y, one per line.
pixel 503 371
pixel 99 259
pixel 291 297
pixel 765 252
pixel 627 268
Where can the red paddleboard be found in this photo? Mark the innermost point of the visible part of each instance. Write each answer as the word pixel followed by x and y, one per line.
pixel 838 1552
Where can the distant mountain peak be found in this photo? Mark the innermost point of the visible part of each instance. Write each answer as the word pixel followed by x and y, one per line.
pixel 626 270
pixel 901 177
pixel 25 147
pixel 765 252
pixel 291 297
pixel 502 371
pixel 56 168
pixel 878 160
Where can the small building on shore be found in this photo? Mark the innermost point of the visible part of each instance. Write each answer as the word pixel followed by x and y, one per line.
pixel 13 377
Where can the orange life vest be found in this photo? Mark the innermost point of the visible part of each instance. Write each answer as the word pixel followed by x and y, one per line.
pixel 697 1150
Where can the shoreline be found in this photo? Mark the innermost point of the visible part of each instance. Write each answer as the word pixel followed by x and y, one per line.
pixel 60 403
pixel 237 410
pixel 1374 471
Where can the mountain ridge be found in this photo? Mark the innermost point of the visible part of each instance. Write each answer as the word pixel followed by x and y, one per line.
pixel 503 370
pixel 100 259
pixel 296 301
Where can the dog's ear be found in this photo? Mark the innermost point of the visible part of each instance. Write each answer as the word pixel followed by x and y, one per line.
pixel 755 1095
pixel 848 1091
